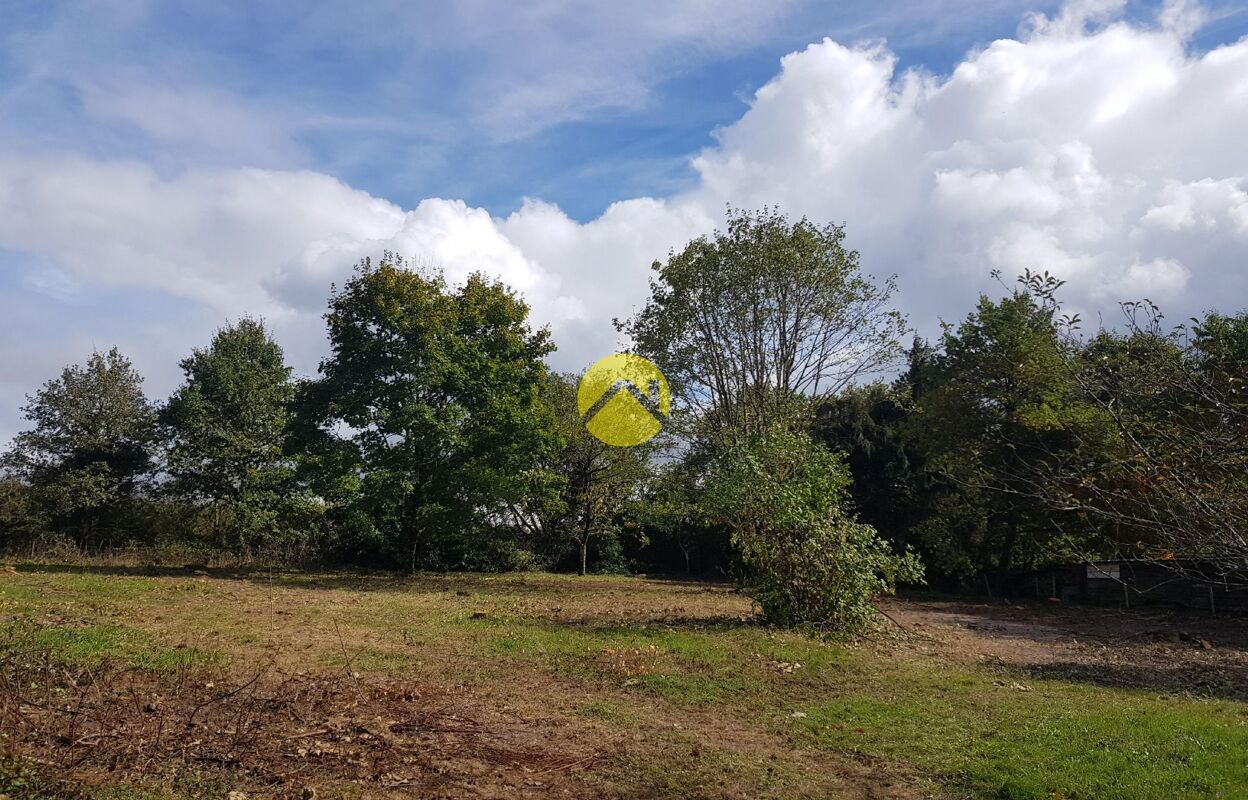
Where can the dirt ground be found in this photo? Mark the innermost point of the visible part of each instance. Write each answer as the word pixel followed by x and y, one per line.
pixel 1184 653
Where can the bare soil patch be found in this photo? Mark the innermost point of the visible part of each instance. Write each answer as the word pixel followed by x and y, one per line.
pixel 1148 649
pixel 276 735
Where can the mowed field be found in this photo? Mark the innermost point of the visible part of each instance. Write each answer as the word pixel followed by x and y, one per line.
pixel 132 683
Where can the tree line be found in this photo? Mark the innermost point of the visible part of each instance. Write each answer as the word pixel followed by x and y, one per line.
pixel 813 453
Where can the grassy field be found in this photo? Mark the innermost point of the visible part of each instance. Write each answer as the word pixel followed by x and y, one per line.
pixel 124 685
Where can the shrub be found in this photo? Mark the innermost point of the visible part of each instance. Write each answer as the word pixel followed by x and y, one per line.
pixel 807 562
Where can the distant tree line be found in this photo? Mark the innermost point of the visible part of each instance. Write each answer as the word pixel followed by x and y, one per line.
pixel 810 454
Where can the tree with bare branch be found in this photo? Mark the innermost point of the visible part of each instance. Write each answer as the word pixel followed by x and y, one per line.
pixel 750 322
pixel 1163 463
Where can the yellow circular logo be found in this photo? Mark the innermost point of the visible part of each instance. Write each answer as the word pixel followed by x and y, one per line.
pixel 623 380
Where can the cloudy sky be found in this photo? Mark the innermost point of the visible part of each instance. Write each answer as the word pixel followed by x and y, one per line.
pixel 166 166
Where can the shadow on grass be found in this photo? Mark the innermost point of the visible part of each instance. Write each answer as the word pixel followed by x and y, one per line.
pixel 354 580
pixel 1218 682
pixel 1045 623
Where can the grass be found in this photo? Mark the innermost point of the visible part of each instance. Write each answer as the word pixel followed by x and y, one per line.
pixel 719 702
pixel 17 780
pixel 1047 739
pixel 92 644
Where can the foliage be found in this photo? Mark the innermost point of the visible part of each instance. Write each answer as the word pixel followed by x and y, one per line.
pixel 435 437
pixel 19 518
pixel 1166 468
pixel 996 398
pixel 748 322
pixel 226 429
pixel 891 483
pixel 89 447
pixel 675 529
pixel 594 482
pixel 808 562
pixel 427 411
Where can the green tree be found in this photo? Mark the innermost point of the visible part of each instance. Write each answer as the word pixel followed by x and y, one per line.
pixel 20 521
pixel 1161 463
pixel 429 406
pixel 808 562
pixel 89 447
pixel 596 481
pixel 226 429
pixel 747 322
pixel 891 486
pixel 675 528
pixel 998 406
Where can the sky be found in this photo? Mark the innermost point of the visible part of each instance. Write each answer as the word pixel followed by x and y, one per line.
pixel 168 166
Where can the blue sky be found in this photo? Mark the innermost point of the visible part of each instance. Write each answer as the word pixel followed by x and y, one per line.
pixel 400 99
pixel 166 166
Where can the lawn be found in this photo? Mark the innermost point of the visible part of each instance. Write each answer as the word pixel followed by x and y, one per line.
pixel 125 685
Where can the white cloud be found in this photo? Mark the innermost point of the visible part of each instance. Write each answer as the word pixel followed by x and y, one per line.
pixel 555 61
pixel 1101 150
pixel 446 235
pixel 210 236
pixel 208 123
pixel 1063 149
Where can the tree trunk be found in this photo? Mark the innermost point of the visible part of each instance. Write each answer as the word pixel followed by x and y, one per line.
pixel 1007 561
pixel 584 555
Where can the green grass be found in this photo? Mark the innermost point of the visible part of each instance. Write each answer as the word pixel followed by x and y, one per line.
pixel 17 595
pixel 973 730
pixel 92 644
pixel 17 780
pixel 1056 740
pixel 608 711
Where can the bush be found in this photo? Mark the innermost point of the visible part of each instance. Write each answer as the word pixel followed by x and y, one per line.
pixel 807 562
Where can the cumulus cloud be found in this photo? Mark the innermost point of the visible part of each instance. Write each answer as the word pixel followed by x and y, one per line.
pixel 1099 149
pixel 1105 151
pixel 445 235
pixel 212 236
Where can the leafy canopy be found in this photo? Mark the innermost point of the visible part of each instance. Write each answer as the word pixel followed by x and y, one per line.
pixel 807 561
pixel 226 430
pixel 88 448
pixel 747 321
pixel 431 396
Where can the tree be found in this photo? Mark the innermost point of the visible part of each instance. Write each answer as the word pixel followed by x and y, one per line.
pixel 1163 463
pixel 808 561
pixel 675 527
pixel 748 321
pixel 994 403
pixel 596 480
pixel 226 429
pixel 998 402
pixel 429 405
pixel 891 485
pixel 89 448
pixel 19 520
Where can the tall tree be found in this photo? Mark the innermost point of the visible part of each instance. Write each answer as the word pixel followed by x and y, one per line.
pixel 434 392
pixel 226 429
pixel 596 481
pixel 891 486
pixel 89 446
pixel 747 321
pixel 1163 461
pixel 998 399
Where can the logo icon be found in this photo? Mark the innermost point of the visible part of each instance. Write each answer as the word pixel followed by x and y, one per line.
pixel 623 380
